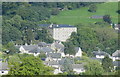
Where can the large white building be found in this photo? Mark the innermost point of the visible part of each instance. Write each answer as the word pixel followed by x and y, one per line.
pixel 62 32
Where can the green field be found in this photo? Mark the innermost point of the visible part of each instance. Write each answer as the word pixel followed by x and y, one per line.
pixel 82 15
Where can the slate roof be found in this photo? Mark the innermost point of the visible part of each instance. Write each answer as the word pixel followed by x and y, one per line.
pixel 42 44
pixel 62 61
pixel 116 53
pixel 51 62
pixel 62 25
pixel 100 53
pixel 116 63
pixel 42 49
pixel 3 66
pixel 58 46
pixel 54 55
pixel 27 47
pixel 76 49
pixel 78 66
pixel 55 25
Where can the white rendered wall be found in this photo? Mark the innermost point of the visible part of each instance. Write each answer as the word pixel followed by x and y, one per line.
pixel 62 34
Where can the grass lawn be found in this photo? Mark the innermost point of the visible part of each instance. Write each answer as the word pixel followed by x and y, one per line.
pixel 82 15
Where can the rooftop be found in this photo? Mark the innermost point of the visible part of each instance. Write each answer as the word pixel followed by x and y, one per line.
pixel 43 49
pixel 116 53
pixel 62 25
pixel 78 66
pixel 55 25
pixel 3 66
pixel 100 53
pixel 54 55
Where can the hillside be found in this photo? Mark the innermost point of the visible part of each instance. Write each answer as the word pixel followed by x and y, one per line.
pixel 82 15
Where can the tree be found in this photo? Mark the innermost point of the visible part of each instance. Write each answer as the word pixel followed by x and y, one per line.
pixel 92 8
pixel 107 64
pixel 10 48
pixel 43 35
pixel 42 55
pixel 67 66
pixel 69 48
pixel 9 32
pixel 107 19
pixel 29 36
pixel 28 65
pixel 55 11
pixel 93 67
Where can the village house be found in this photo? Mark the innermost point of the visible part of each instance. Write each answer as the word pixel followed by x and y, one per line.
pixel 100 54
pixel 116 55
pixel 57 46
pixel 77 54
pixel 78 68
pixel 4 68
pixel 60 32
pixel 53 57
pixel 59 66
pixel 116 65
pixel 25 48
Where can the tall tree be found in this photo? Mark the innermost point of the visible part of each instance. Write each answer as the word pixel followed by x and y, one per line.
pixel 69 48
pixel 93 67
pixel 92 8
pixel 107 64
pixel 107 19
pixel 24 64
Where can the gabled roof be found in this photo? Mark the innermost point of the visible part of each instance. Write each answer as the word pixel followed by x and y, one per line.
pixel 42 44
pixel 3 66
pixel 58 46
pixel 116 53
pixel 54 55
pixel 27 47
pixel 76 49
pixel 51 62
pixel 41 49
pixel 100 53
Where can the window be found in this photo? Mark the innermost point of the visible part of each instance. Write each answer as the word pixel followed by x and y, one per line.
pixel 2 71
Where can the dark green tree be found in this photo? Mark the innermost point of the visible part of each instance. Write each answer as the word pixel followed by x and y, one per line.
pixel 24 64
pixel 107 64
pixel 107 19
pixel 69 48
pixel 55 11
pixel 92 8
pixel 11 49
pixel 92 68
pixel 29 36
